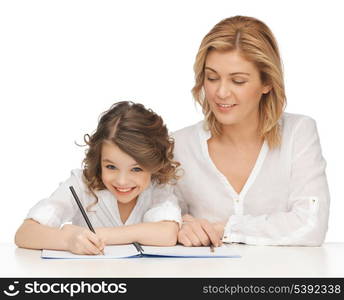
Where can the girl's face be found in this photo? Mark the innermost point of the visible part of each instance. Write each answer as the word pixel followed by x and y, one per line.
pixel 232 87
pixel 121 174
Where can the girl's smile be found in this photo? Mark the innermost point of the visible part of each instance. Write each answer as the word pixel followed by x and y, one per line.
pixel 123 190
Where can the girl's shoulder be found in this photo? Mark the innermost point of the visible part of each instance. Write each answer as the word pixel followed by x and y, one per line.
pixel 77 175
pixel 77 180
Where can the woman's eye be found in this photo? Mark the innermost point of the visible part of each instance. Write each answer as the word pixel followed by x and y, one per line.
pixel 137 169
pixel 211 79
pixel 110 167
pixel 239 81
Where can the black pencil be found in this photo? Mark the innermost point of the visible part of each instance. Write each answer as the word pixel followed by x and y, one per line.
pixel 138 247
pixel 77 200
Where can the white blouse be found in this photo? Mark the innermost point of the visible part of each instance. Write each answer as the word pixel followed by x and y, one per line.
pixel 285 200
pixel 61 208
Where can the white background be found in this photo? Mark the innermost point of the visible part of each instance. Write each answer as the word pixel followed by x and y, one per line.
pixel 62 63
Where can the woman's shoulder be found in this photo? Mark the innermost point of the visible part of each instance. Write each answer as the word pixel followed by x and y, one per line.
pixel 297 126
pixel 294 118
pixel 188 132
pixel 292 122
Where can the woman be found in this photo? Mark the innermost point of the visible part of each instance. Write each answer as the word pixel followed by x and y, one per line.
pixel 252 173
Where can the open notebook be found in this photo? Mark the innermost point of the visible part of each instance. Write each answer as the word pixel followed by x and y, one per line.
pixel 127 251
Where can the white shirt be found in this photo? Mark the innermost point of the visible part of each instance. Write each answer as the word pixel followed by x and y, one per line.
pixel 61 207
pixel 285 200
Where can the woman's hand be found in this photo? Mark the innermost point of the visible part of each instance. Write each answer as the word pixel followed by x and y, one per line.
pixel 81 240
pixel 200 232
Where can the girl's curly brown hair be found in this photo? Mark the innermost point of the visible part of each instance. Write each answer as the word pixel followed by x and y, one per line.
pixel 137 131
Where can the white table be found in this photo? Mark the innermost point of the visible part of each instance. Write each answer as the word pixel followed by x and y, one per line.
pixel 256 261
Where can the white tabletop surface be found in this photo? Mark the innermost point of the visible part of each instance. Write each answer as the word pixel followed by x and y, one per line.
pixel 255 261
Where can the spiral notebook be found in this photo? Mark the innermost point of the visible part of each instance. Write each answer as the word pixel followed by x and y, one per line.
pixel 129 251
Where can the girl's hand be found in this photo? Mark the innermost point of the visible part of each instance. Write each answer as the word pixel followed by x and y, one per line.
pixel 81 240
pixel 199 232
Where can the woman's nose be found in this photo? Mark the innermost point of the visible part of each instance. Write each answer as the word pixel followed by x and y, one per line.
pixel 223 90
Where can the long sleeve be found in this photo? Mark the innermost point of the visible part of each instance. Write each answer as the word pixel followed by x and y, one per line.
pixel 304 221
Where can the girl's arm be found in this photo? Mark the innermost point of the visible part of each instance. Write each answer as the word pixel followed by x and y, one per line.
pixel 34 235
pixel 78 240
pixel 163 233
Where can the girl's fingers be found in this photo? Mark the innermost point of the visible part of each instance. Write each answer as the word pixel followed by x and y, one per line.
pixel 90 244
pixel 95 239
pixel 91 248
pixel 102 245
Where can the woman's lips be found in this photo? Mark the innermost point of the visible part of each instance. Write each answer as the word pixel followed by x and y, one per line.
pixel 225 107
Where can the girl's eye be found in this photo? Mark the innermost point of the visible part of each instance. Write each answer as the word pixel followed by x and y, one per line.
pixel 137 169
pixel 110 167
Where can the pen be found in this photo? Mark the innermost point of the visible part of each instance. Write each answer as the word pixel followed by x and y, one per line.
pixel 82 211
pixel 212 249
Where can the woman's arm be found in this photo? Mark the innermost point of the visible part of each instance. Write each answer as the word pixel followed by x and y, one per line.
pixel 163 233
pixel 79 240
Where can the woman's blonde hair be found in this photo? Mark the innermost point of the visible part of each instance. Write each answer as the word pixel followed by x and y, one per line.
pixel 256 43
pixel 140 133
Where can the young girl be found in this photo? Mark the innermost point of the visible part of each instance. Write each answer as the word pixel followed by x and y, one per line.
pixel 128 157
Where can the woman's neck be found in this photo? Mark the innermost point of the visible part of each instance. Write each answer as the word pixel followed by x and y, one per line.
pixel 240 134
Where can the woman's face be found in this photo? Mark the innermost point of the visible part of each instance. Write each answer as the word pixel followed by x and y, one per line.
pixel 121 174
pixel 233 88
